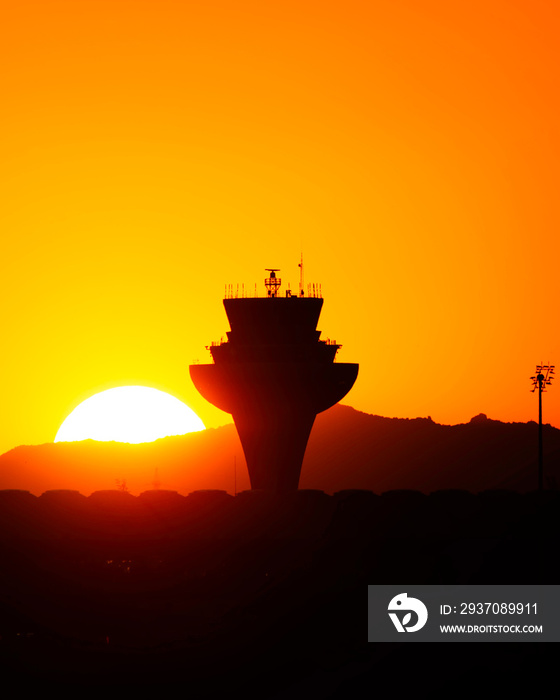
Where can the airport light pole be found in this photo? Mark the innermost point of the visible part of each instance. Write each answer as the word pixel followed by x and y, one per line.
pixel 542 379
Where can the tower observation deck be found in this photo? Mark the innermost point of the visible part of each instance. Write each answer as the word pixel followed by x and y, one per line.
pixel 274 374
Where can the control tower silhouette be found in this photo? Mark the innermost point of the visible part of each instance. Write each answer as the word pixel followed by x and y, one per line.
pixel 274 374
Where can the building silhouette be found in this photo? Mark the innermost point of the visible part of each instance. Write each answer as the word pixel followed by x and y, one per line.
pixel 274 374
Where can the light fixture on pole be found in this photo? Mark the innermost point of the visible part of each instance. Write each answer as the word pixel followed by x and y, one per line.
pixel 542 379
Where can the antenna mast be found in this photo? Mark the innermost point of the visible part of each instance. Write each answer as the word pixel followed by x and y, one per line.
pixel 301 276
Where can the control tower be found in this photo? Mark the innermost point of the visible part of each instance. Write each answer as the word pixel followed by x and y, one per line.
pixel 274 374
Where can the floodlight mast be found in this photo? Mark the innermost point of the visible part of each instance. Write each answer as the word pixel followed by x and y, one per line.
pixel 542 379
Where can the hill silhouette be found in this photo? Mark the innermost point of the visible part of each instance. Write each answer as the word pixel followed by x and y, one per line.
pixel 348 449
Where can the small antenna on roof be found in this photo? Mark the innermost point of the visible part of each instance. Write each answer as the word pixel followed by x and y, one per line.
pixel 272 283
pixel 301 276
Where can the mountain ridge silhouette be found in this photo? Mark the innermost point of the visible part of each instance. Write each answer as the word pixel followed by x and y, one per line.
pixel 348 449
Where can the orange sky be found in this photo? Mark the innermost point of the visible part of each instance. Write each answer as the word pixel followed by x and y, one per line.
pixel 154 151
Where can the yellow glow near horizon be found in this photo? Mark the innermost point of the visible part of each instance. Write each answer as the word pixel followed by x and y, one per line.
pixel 129 414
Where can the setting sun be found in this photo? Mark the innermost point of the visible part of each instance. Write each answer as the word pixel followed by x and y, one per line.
pixel 129 414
